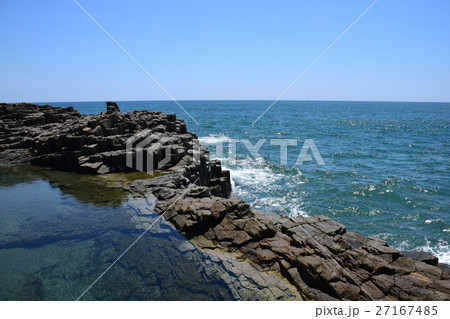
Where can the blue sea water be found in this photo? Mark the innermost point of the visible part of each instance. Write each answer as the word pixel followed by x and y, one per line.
pixel 386 171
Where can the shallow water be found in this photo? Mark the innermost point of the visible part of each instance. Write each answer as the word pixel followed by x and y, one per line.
pixel 59 231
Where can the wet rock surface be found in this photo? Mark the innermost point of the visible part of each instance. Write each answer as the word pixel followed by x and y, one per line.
pixel 315 254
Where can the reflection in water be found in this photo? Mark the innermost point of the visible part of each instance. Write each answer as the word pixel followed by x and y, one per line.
pixel 59 231
pixel 100 190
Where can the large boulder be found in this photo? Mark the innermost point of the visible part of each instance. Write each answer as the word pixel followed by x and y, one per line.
pixel 112 107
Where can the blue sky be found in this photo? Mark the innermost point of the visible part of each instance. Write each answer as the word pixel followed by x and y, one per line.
pixel 51 50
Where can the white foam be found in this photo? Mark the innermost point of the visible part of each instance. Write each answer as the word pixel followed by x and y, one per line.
pixel 429 221
pixel 440 250
pixel 255 177
pixel 256 182
pixel 214 139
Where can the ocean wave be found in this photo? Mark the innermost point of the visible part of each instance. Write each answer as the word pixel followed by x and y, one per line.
pixel 258 177
pixel 266 186
pixel 214 139
pixel 440 249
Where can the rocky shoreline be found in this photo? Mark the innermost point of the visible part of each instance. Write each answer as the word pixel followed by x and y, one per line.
pixel 315 254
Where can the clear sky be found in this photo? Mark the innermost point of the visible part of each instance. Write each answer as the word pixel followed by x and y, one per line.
pixel 206 50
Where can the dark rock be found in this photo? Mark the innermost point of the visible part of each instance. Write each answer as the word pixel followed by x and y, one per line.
pixel 422 256
pixel 441 285
pixel 265 255
pixel 383 282
pixel 241 239
pixel 112 107
pixel 330 227
pixel 227 235
pixel 403 266
pixel 445 267
pixel 428 270
pixel 372 290
pixel 345 290
pixel 90 168
pixel 199 192
pixel 217 209
pixel 239 223
pixel 258 229
pixel 97 131
pixel 90 149
pixel 105 169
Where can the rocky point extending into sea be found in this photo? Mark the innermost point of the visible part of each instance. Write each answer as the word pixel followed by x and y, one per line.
pixel 316 257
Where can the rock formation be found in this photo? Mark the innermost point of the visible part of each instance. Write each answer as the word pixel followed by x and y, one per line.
pixel 316 254
pixel 97 144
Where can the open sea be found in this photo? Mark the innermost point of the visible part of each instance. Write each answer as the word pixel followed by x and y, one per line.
pixel 385 173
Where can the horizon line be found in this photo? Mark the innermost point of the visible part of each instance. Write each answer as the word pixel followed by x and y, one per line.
pixel 231 100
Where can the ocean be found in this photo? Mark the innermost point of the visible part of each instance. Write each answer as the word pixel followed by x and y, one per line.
pixel 386 164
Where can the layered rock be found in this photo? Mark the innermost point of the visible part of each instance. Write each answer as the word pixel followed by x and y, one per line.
pixel 98 144
pixel 316 254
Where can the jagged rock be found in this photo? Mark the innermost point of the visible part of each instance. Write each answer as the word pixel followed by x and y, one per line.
pixel 241 239
pixel 403 265
pixel 227 235
pixel 330 227
pixel 442 285
pixel 258 229
pixel 199 192
pixel 265 255
pixel 105 169
pixel 203 242
pixel 61 136
pixel 97 131
pixel 112 107
pixel 217 209
pixel 423 256
pixel 90 168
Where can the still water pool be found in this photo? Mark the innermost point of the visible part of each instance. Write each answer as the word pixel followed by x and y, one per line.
pixel 59 231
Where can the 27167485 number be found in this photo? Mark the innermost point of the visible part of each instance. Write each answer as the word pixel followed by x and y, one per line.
pixel 406 310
